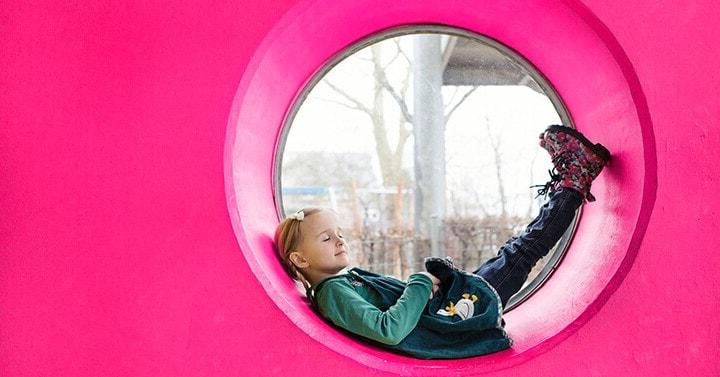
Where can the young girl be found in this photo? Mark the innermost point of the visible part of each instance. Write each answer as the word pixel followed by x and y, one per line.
pixel 442 312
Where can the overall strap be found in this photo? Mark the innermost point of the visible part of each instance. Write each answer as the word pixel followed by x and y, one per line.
pixel 311 291
pixel 310 294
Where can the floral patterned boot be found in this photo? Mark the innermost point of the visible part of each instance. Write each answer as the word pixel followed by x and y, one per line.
pixel 576 160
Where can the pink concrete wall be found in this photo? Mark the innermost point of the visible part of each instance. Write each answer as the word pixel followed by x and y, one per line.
pixel 118 255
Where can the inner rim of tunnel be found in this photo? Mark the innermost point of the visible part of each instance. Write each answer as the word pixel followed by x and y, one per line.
pixel 556 256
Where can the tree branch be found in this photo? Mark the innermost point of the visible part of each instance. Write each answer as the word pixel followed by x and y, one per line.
pixel 352 107
pixel 452 96
pixel 464 97
pixel 398 99
pixel 495 145
pixel 402 52
pixel 357 103
pixel 397 53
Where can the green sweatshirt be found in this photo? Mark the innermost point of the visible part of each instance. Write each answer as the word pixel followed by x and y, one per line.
pixel 463 319
pixel 365 312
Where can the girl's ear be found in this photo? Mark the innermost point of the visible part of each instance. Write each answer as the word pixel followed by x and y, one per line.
pixel 298 259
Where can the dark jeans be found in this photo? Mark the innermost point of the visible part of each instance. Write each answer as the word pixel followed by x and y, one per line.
pixel 508 271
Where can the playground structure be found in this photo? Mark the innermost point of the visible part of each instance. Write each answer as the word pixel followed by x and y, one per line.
pixel 137 147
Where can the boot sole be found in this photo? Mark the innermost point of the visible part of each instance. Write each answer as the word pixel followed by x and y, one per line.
pixel 597 148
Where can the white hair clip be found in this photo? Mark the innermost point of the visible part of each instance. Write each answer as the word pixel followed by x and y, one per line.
pixel 299 215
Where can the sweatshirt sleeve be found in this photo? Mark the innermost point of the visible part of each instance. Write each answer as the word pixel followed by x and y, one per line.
pixel 341 304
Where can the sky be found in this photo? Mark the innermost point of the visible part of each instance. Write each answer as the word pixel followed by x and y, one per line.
pixel 512 116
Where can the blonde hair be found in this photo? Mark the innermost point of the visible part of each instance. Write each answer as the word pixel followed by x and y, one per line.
pixel 287 239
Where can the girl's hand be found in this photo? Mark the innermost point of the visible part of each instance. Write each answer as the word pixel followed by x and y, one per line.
pixel 435 283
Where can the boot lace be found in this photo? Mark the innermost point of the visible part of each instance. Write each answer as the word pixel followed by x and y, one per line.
pixel 544 189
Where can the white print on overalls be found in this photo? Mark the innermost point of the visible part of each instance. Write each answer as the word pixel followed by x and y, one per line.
pixel 464 308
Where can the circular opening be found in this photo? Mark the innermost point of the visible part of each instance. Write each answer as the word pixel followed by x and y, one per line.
pixel 424 139
pixel 587 68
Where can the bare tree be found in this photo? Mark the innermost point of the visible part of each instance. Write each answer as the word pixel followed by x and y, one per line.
pixel 389 156
pixel 495 144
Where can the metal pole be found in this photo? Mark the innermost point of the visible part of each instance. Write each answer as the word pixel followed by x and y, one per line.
pixel 429 134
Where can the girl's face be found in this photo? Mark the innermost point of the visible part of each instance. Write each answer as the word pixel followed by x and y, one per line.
pixel 322 248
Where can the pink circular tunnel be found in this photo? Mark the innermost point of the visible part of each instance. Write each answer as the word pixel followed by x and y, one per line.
pixel 137 146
